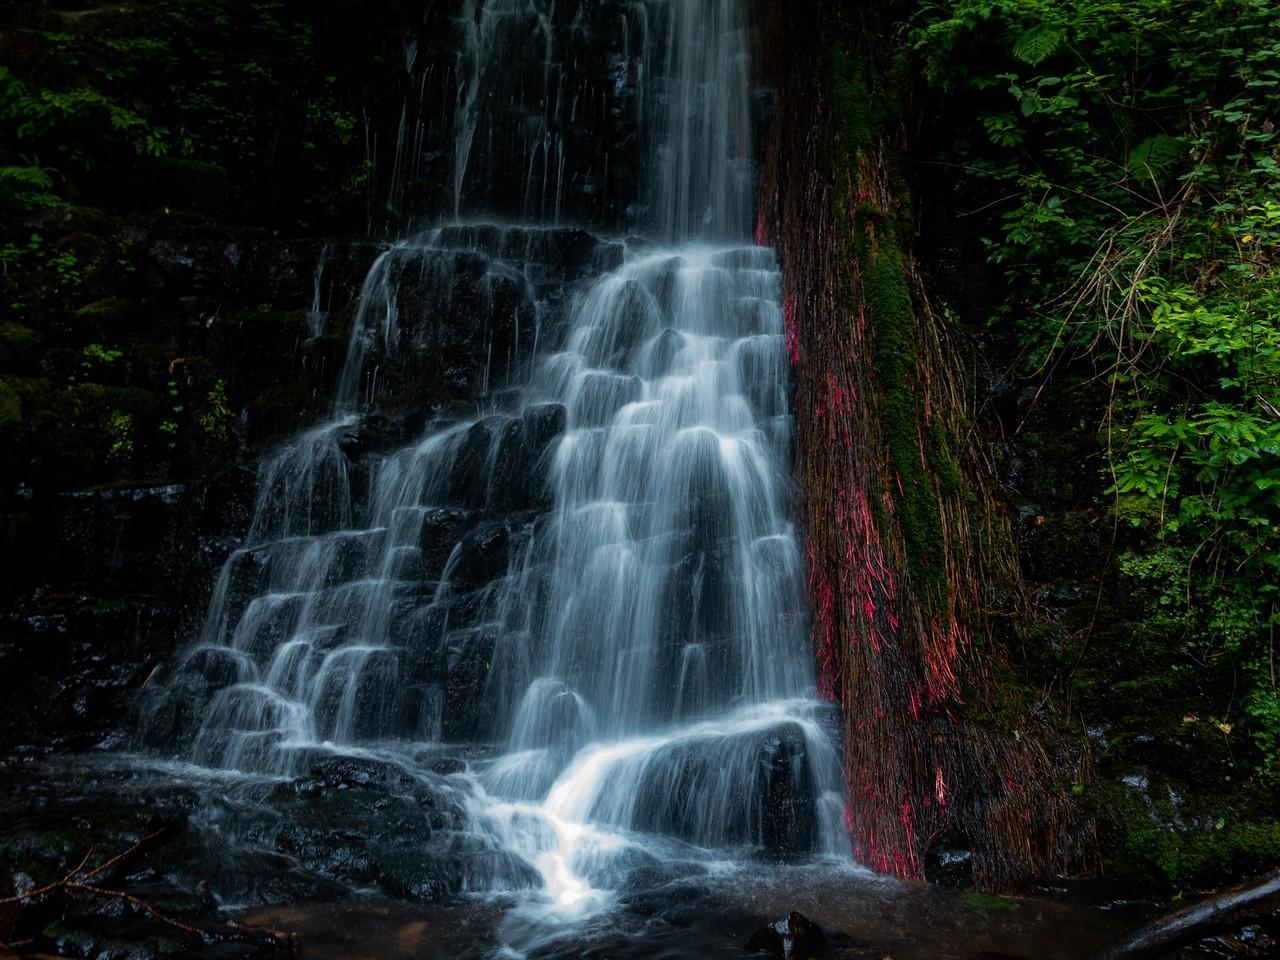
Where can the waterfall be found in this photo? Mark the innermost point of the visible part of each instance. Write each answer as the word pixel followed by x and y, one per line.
pixel 599 574
pixel 701 173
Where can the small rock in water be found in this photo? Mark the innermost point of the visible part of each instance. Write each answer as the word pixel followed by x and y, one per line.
pixel 794 937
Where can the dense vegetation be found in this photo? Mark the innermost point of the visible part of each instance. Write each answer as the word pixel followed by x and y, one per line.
pixel 1112 180
pixel 209 107
pixel 158 164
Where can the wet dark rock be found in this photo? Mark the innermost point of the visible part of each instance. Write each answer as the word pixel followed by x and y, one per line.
pixel 442 528
pixel 343 773
pixel 522 463
pixel 468 713
pixel 124 572
pixel 374 433
pixel 643 872
pixel 482 556
pixel 474 863
pixel 187 259
pixel 576 253
pixel 366 822
pixel 448 765
pixel 470 479
pixel 1254 940
pixel 368 695
pixel 416 629
pixel 794 937
pixel 217 666
pixel 787 820
pixel 111 937
pixel 60 816
pixel 249 875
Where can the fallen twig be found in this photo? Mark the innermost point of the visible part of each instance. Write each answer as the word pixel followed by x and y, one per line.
pixel 80 881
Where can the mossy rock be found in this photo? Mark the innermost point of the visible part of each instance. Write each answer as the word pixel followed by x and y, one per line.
pixel 14 529
pixel 20 395
pixel 1157 843
pixel 88 397
pixel 18 344
pixel 91 251
pixel 988 903
pixel 10 406
pixel 113 316
pixel 190 186
pixel 267 314
pixel 70 220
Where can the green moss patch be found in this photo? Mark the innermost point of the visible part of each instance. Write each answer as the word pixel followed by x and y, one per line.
pixel 888 302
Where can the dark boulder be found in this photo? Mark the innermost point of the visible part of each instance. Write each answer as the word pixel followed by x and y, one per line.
pixel 364 821
pixel 468 713
pixel 523 459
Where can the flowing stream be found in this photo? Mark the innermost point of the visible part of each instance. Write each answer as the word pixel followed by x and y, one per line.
pixel 589 596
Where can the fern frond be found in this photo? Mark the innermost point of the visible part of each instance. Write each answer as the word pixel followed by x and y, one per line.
pixel 31 177
pixel 1037 44
pixel 1154 156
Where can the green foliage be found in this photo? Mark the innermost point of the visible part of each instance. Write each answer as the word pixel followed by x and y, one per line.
pixel 13 254
pixel 120 432
pixel 96 353
pixel 1141 827
pixel 169 104
pixel 1121 163
pixel 26 187
pixel 63 265
pixel 10 405
pixel 216 422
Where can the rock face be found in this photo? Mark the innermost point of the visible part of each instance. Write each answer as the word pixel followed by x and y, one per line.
pixel 188 315
pixel 449 516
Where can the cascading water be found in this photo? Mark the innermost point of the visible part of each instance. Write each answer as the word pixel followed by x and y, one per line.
pixel 599 575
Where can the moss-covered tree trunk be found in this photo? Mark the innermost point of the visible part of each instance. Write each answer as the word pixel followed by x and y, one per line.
pixel 909 548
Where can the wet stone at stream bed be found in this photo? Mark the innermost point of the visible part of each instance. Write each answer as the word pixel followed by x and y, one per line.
pixel 794 937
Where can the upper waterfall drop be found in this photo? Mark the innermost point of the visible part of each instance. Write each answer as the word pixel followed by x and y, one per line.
pixel 598 574
pixel 701 175
pixel 679 76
